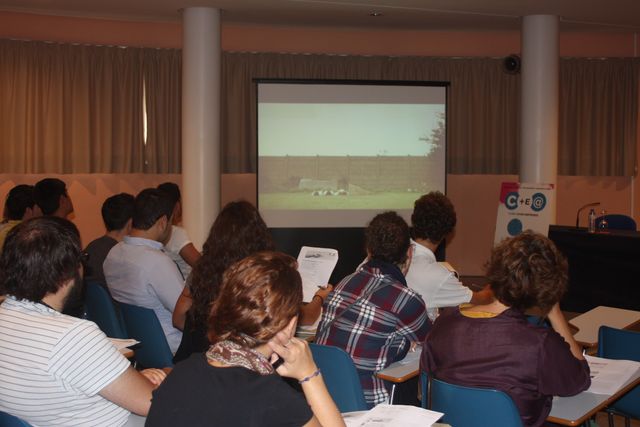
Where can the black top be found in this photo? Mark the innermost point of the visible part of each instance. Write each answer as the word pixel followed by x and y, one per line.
pixel 194 340
pixel 98 251
pixel 198 394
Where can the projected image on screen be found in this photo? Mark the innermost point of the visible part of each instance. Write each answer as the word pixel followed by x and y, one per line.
pixel 335 154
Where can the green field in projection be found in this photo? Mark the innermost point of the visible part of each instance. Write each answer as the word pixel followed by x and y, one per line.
pixel 378 201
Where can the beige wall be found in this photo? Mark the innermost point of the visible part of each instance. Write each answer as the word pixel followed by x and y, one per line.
pixel 255 38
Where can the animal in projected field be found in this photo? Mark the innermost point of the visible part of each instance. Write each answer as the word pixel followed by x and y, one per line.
pixel 340 192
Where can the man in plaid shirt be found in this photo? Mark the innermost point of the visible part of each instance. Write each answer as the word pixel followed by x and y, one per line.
pixel 372 314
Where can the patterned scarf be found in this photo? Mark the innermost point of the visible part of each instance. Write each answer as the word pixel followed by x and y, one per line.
pixel 232 354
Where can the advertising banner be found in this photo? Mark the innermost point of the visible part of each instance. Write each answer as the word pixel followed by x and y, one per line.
pixel 524 207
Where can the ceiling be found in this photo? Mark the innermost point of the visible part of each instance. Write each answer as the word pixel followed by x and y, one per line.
pixel 575 15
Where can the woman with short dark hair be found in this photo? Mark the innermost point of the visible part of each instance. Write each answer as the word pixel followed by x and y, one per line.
pixel 251 325
pixel 494 346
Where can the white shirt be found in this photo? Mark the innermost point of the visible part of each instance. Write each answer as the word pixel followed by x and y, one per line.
pixel 178 240
pixel 53 366
pixel 138 272
pixel 438 286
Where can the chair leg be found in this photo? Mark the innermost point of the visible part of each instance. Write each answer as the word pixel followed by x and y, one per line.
pixel 627 422
pixel 610 418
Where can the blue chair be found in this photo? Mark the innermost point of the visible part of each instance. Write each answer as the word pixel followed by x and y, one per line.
pixel 538 321
pixel 100 309
pixel 470 406
pixel 7 420
pixel 340 376
pixel 620 344
pixel 143 325
pixel 617 222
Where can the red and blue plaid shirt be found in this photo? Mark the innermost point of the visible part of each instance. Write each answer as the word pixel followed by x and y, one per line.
pixel 377 330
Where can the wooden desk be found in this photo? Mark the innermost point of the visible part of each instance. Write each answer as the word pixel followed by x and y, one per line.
pixel 575 410
pixel 401 371
pixel 588 323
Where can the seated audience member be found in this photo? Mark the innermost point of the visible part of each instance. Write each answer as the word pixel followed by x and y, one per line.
pixel 372 314
pixel 178 246
pixel 234 383
pixel 493 345
pixel 138 272
pixel 19 206
pixel 51 195
pixel 56 369
pixel 116 214
pixel 237 232
pixel 432 220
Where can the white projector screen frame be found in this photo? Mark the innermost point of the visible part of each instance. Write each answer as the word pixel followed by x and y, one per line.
pixel 335 153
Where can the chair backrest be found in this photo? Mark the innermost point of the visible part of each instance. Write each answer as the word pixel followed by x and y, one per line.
pixel 538 321
pixel 143 325
pixel 625 345
pixel 7 420
pixel 340 376
pixel 617 222
pixel 100 309
pixel 470 406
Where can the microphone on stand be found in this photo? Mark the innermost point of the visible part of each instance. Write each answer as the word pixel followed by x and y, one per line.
pixel 588 205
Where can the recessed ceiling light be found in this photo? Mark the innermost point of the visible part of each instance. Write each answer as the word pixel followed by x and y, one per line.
pixel 375 13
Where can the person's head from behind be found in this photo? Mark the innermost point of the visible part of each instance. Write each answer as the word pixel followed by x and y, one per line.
pixel 527 271
pixel 41 256
pixel 260 296
pixel 237 232
pixel 173 193
pixel 20 204
pixel 51 195
pixel 117 212
pixel 387 238
pixel 152 211
pixel 433 218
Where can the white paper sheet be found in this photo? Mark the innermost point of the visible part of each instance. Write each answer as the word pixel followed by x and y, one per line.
pixel 315 266
pixel 608 376
pixel 392 415
pixel 120 343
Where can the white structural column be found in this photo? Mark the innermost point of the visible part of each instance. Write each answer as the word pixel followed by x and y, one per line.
pixel 200 120
pixel 540 94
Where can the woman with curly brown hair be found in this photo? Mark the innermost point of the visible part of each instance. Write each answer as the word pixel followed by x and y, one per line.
pixel 493 346
pixel 237 232
pixel 234 383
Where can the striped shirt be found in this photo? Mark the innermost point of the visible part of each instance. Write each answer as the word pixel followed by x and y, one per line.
pixel 377 330
pixel 53 366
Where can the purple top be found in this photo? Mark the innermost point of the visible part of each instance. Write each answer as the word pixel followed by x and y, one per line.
pixel 529 363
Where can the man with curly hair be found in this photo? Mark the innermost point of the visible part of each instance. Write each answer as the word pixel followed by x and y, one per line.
pixel 432 220
pixel 372 314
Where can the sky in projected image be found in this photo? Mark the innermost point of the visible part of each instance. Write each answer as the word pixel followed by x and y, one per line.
pixel 329 129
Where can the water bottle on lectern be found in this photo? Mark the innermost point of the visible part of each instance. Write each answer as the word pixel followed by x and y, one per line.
pixel 592 221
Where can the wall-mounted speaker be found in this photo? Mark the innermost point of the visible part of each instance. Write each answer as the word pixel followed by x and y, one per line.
pixel 511 64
